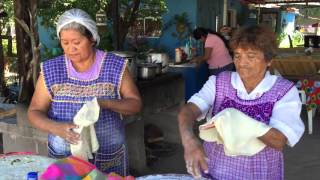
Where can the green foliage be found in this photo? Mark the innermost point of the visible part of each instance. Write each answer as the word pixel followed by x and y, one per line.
pixel 106 41
pixel 308 12
pixel 54 8
pixel 297 38
pixel 50 12
pixel 5 46
pixel 281 36
pixel 8 8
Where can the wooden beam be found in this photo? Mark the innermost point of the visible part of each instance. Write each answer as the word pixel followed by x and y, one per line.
pixel 279 1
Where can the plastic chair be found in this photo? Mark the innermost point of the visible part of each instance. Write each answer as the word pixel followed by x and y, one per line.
pixel 310 112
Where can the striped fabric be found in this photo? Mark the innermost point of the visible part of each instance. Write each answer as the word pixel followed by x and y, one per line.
pixel 267 164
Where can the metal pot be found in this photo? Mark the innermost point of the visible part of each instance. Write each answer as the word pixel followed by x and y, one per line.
pixel 131 58
pixel 159 68
pixel 160 58
pixel 147 71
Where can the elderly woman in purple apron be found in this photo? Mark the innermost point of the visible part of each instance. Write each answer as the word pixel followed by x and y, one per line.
pixel 254 91
pixel 68 81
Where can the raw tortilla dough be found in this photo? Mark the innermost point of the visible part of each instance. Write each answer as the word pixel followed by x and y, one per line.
pixel 236 131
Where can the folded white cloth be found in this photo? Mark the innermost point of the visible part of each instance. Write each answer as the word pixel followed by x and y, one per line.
pixel 236 131
pixel 85 119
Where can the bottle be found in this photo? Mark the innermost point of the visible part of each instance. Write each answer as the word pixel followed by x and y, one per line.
pixel 32 176
pixel 178 55
pixel 189 48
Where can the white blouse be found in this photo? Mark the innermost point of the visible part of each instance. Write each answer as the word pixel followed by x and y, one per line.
pixel 285 114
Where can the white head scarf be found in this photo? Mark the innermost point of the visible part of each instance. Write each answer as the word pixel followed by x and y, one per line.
pixel 81 17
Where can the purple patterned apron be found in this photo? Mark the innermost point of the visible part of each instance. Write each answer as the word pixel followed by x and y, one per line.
pixel 69 94
pixel 265 165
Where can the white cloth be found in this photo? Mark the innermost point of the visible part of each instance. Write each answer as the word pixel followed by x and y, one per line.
pixel 85 119
pixel 81 17
pixel 236 131
pixel 285 114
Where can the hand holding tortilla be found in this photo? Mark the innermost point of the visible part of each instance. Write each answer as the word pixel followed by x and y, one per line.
pixel 236 131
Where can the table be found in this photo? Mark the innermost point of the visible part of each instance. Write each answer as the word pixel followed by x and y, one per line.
pixel 297 65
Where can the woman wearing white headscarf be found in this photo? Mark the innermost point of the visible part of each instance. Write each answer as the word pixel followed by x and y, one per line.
pixel 68 81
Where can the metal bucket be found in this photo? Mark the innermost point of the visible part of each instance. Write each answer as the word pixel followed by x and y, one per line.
pixel 147 71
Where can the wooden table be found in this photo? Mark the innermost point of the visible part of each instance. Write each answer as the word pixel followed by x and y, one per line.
pixel 297 65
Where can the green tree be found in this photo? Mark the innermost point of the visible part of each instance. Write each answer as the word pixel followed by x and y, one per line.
pixel 6 9
pixel 129 11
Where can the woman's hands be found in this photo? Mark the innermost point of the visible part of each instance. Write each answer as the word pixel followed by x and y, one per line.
pixel 194 154
pixel 37 115
pixel 195 158
pixel 196 60
pixel 65 131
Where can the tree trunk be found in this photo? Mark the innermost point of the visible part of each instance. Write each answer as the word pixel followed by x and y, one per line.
pixel 34 42
pixel 2 81
pixel 121 25
pixel 26 67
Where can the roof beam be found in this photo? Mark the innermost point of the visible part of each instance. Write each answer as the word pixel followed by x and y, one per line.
pixel 279 1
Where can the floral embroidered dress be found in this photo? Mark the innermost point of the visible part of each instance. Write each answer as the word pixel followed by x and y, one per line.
pixel 69 90
pixel 268 163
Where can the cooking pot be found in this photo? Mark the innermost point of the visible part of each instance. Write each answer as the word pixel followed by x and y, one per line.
pixel 147 71
pixel 162 58
pixel 131 58
pixel 159 68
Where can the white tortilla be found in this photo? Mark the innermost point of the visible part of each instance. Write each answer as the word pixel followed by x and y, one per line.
pixel 236 131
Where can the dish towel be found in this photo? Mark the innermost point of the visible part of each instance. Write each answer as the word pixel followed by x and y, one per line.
pixel 236 131
pixel 85 119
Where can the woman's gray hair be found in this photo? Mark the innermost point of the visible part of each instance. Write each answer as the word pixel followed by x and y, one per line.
pixel 79 20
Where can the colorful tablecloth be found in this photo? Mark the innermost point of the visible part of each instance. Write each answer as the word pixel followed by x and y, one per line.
pixel 312 90
pixel 73 168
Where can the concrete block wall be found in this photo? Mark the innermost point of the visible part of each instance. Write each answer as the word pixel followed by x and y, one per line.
pixel 20 136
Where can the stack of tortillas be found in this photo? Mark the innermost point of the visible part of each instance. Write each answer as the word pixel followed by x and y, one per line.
pixel 236 131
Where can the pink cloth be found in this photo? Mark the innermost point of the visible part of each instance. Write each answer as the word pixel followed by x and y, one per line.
pixel 72 168
pixel 219 55
pixel 92 72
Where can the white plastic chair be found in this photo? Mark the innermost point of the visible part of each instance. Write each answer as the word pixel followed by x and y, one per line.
pixel 310 112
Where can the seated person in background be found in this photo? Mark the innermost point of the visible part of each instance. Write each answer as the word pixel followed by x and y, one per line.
pixel 254 91
pixel 216 52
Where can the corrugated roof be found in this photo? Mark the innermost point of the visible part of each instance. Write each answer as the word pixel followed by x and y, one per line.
pixel 279 1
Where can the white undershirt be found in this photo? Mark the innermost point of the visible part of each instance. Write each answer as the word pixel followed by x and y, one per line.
pixel 285 114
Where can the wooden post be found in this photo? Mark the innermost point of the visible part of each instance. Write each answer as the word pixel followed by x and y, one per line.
pixel 25 51
pixel 2 81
